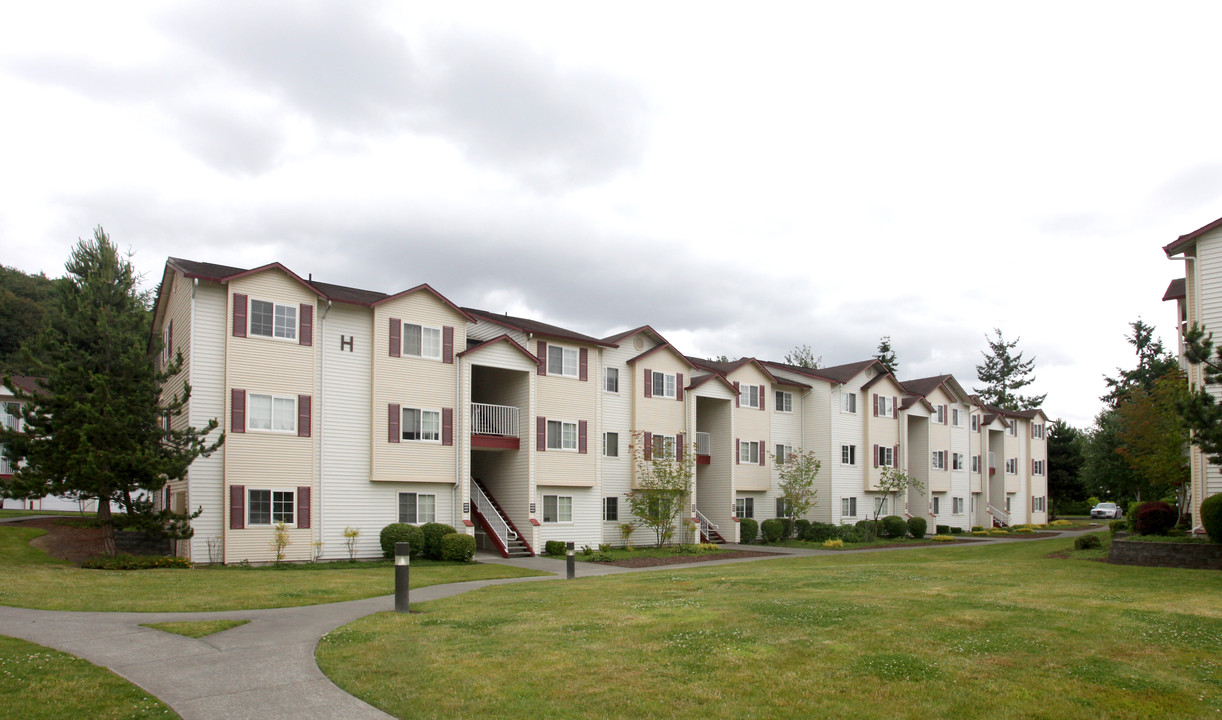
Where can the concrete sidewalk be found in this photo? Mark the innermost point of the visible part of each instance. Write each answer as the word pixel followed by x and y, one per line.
pixel 266 668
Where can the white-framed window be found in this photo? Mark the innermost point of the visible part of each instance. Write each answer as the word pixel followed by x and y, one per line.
pixel 886 456
pixel 848 402
pixel 783 508
pixel 1011 466
pixel 1038 504
pixel 1037 467
pixel 957 506
pixel 561 361
pixel 848 454
pixel 975 463
pixel 271 413
pixel 886 408
pixel 265 507
pixel 937 505
pixel 1009 498
pixel 880 505
pixel 744 507
pixel 956 417
pixel 417 508
pixel 975 423
pixel 848 507
pixel 748 452
pixel 663 385
pixel 165 344
pixel 611 379
pixel 420 424
pixel 273 320
pixel 1037 431
pixel 663 446
pixel 783 452
pixel 940 414
pixel 749 396
pixel 421 341
pixel 938 460
pixel 956 461
pixel 784 401
pixel 561 435
pixel 1012 427
pixel 611 444
pixel 610 509
pixel 557 508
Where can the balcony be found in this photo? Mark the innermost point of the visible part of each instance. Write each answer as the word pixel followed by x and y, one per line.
pixel 494 427
pixel 704 448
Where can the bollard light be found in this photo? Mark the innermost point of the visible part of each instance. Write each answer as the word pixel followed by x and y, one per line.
pixel 571 559
pixel 402 567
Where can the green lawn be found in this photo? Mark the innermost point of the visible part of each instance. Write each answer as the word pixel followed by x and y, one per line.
pixel 195 628
pixel 30 578
pixel 38 683
pixel 26 513
pixel 617 554
pixel 996 631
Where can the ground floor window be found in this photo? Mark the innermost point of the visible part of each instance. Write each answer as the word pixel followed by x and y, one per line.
pixel 957 505
pixel 744 507
pixel 557 508
pixel 611 509
pixel 848 506
pixel 937 506
pixel 880 505
pixel 611 444
pixel 417 508
pixel 1037 504
pixel 270 506
pixel 783 508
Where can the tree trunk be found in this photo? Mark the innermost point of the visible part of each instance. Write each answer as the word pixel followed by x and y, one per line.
pixel 108 526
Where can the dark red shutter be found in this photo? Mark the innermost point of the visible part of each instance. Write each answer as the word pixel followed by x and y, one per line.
pixel 170 350
pixel 237 507
pixel 396 337
pixel 303 507
pixel 895 407
pixel 581 435
pixel 875 456
pixel 303 416
pixel 447 345
pixel 447 426
pixel 679 447
pixel 738 451
pixel 583 364
pixel 737 394
pixel 541 433
pixel 542 346
pixel 237 411
pixel 763 453
pixel 875 405
pixel 678 386
pixel 239 315
pixel 648 383
pixel 763 403
pixel 394 416
pixel 306 336
pixel 648 446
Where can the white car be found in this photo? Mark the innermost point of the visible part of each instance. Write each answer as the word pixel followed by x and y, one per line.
pixel 1107 510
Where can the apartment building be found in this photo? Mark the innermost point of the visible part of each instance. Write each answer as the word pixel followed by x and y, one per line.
pixel 349 408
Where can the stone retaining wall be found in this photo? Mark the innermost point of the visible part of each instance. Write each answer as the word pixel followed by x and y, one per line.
pixel 133 542
pixel 1196 556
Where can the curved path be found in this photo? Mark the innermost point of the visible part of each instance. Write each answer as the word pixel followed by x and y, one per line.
pixel 266 668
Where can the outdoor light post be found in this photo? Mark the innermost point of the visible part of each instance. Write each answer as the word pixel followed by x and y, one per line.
pixel 571 560
pixel 402 567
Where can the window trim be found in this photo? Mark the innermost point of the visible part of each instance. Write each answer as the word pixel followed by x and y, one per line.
pixel 880 504
pixel 606 445
pixel 403 429
pixel 782 401
pixel 786 451
pixel 938 460
pixel 272 429
pixel 956 506
pixel 440 341
pixel 612 500
pixel 744 507
pixel 557 520
pixel 1011 466
pixel 848 506
pixel 250 319
pixel 851 451
pixel 271 506
pixel 848 398
pixel 560 436
pixel 662 393
pixel 886 407
pixel 936 505
pixel 607 379
pixel 745 392
pixel 418 520
pixel 748 459
pixel 956 461
pixel 564 354
pixel 890 456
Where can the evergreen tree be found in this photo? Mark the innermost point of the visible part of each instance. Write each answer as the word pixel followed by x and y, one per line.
pixel 1200 410
pixel 96 428
pixel 1153 362
pixel 802 356
pixel 1004 374
pixel 1105 472
pixel 24 300
pixel 886 355
pixel 1065 463
pixel 1154 435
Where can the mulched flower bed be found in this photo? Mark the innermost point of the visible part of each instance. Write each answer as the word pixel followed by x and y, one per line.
pixel 683 559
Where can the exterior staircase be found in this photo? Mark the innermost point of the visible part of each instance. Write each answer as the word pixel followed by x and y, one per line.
pixel 496 523
pixel 708 531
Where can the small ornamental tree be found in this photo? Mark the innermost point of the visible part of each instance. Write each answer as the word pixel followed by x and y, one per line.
pixel 796 481
pixel 663 485
pixel 892 482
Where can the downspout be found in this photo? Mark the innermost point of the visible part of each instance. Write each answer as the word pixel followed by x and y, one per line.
pixel 458 441
pixel 322 435
pixel 191 379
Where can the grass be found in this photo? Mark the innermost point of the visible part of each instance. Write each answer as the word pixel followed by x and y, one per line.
pixel 26 513
pixel 618 554
pixel 30 578
pixel 1187 539
pixel 38 683
pixel 195 628
pixel 1001 631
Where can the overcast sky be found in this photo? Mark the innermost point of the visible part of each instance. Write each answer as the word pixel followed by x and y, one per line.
pixel 745 178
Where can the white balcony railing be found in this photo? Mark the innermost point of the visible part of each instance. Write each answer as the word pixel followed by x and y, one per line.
pixel 704 444
pixel 494 420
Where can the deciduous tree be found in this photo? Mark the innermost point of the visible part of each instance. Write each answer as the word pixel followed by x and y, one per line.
pixel 802 356
pixel 663 485
pixel 1154 435
pixel 796 481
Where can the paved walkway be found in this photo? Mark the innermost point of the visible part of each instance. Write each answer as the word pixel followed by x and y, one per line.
pixel 266 668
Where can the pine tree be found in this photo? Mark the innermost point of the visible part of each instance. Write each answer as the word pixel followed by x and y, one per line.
pixel 1004 374
pixel 1201 411
pixel 1065 463
pixel 96 428
pixel 1153 362
pixel 886 355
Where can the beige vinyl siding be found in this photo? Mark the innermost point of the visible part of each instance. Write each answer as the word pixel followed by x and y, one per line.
pixel 1012 450
pixel 785 428
pixel 569 399
pixel 206 487
pixel 881 431
pixel 486 330
pixel 849 429
pixel 814 423
pixel 1204 286
pixel 960 480
pixel 755 425
pixel 920 426
pixel 714 404
pixel 586 527
pixel 1038 486
pixel 939 439
pixel 270 460
pixel 666 416
pixel 414 382
pixel 616 475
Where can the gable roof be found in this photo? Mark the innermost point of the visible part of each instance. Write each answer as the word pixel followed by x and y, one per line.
pixel 925 386
pixel 203 270
pixel 879 378
pixel 726 368
pixel 836 373
pixel 28 383
pixel 339 293
pixel 1176 290
pixel 425 287
pixel 698 380
pixel 1184 241
pixel 503 338
pixel 664 345
pixel 534 327
pixel 629 333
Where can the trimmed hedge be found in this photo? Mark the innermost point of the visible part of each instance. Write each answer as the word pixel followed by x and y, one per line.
pixel 135 562
pixel 401 532
pixel 1154 518
pixel 432 533
pixel 788 528
pixel 554 547
pixel 1086 542
pixel 457 547
pixel 773 529
pixel 1211 517
pixel 819 532
pixel 750 529
pixel 801 528
pixel 894 526
pixel 942 529
pixel 917 527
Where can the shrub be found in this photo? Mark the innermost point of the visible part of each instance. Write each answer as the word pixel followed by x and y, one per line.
pixel 837 543
pixel 917 527
pixel 1154 518
pixel 942 529
pixel 750 529
pixel 587 550
pixel 998 531
pixel 940 537
pixel 977 527
pixel 788 526
pixel 397 533
pixel 432 533
pixel 604 547
pixel 1211 517
pixel 773 529
pixel 457 547
pixel 602 556
pixel 800 528
pixel 894 527
pixel 1131 511
pixel 955 530
pixel 869 528
pixel 1060 523
pixel 708 546
pixel 1116 526
pixel 135 562
pixel 1092 501
pixel 553 547
pixel 1086 542
pixel 1073 507
pixel 853 536
pixel 980 532
pixel 818 532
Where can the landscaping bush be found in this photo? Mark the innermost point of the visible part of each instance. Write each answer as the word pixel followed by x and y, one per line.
pixel 1073 507
pixel 400 532
pixel 1116 526
pixel 869 529
pixel 894 527
pixel 750 529
pixel 955 530
pixel 457 547
pixel 431 535
pixel 800 528
pixel 602 556
pixel 818 532
pixel 1086 542
pixel 1211 517
pixel 553 547
pixel 917 527
pixel 773 529
pixel 942 529
pixel 942 537
pixel 1154 518
pixel 837 543
pixel 853 536
pixel 787 525
pixel 1130 513
pixel 135 562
